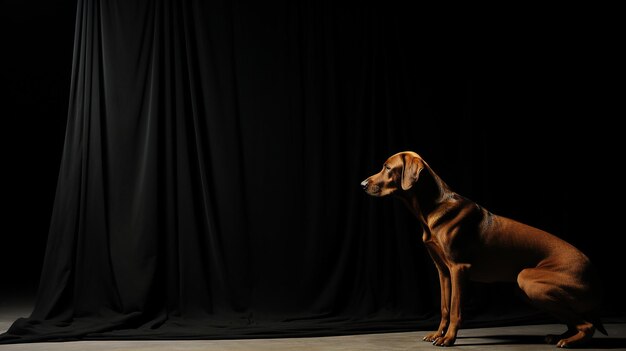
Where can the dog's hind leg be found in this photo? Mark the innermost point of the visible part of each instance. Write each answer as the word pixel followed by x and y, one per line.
pixel 543 290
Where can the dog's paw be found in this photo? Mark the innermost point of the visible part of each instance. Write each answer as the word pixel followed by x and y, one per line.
pixel 563 343
pixel 571 338
pixel 444 341
pixel 432 336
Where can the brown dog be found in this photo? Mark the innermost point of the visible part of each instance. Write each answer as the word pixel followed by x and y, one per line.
pixel 468 242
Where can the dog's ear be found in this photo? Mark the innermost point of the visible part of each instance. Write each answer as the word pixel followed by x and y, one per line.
pixel 411 169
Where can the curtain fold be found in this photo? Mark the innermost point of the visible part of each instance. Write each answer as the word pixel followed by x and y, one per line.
pixel 209 186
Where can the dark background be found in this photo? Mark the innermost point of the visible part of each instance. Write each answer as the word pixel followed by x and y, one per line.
pixel 37 39
pixel 525 102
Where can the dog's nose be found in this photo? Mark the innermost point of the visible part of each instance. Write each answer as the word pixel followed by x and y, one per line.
pixel 364 184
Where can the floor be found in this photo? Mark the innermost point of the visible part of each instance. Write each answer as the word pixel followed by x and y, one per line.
pixel 502 338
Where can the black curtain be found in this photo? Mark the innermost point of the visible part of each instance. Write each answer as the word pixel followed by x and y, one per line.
pixel 209 183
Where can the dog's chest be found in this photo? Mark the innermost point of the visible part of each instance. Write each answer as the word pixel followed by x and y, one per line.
pixel 440 252
pixel 451 245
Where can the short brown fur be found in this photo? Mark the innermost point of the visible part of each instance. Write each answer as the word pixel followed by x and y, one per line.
pixel 467 242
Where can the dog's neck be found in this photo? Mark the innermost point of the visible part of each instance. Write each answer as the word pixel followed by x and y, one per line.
pixel 428 193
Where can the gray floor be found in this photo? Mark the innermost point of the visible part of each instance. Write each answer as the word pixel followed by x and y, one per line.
pixel 503 338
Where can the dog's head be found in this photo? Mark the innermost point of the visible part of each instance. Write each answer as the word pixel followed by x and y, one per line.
pixel 399 173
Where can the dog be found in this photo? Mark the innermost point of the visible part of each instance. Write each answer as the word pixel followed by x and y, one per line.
pixel 467 242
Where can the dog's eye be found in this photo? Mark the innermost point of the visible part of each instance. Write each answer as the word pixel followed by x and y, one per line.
pixel 387 168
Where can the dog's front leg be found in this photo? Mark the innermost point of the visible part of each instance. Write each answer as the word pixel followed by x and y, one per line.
pixel 458 277
pixel 444 285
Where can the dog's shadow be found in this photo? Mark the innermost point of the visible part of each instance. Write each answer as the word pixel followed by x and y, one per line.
pixel 605 343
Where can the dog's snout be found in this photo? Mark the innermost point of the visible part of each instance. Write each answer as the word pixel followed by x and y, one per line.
pixel 364 184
